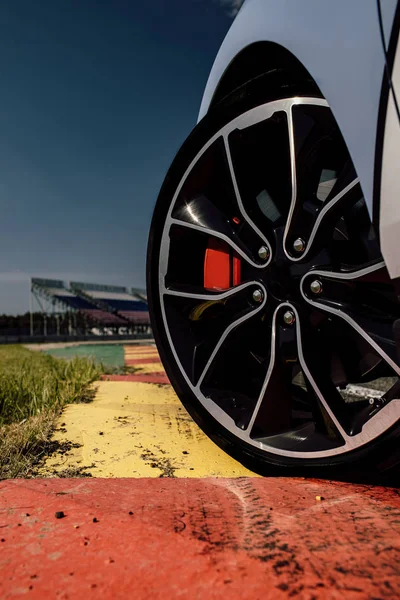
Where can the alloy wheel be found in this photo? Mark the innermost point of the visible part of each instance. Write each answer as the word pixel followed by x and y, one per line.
pixel 274 298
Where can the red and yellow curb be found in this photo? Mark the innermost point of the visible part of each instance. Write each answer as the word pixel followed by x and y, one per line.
pixel 147 362
pixel 155 525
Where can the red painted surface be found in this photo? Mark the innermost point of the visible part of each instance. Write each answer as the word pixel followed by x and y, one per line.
pixel 147 378
pixel 249 538
pixel 142 361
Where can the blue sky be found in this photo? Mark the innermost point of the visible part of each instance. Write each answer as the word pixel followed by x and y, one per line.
pixel 96 98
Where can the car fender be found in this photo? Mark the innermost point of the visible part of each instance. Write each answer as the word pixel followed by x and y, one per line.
pixel 339 44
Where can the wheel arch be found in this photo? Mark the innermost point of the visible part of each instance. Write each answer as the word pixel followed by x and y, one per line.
pixel 346 62
pixel 255 60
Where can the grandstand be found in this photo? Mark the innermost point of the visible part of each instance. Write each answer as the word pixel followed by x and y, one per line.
pixel 102 309
pixel 141 294
pixel 115 299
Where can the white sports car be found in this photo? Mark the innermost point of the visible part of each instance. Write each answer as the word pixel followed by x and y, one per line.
pixel 273 256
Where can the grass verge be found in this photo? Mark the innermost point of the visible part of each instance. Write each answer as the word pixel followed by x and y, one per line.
pixel 34 388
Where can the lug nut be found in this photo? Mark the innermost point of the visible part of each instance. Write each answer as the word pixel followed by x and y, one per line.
pixel 258 296
pixel 299 245
pixel 289 317
pixel 263 253
pixel 316 287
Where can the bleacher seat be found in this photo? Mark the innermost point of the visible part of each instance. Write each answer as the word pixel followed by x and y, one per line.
pixel 108 306
pixel 119 300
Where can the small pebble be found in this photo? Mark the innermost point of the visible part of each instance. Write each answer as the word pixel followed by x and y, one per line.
pixel 319 498
pixel 59 514
pixel 130 512
pixel 95 520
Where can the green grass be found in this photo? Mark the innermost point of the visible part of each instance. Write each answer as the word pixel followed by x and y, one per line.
pixel 34 387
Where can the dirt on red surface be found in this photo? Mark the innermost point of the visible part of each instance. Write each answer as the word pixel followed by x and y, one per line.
pixel 211 538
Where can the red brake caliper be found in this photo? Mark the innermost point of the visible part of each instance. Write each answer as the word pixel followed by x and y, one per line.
pixel 221 266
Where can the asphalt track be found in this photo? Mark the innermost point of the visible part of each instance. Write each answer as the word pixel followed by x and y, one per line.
pixel 165 514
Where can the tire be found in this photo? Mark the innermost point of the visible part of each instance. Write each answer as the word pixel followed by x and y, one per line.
pixel 269 299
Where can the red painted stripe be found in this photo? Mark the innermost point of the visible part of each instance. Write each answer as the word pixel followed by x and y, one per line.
pixel 145 378
pixel 141 361
pixel 241 538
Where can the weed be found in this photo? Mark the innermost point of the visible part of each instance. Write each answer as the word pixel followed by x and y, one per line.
pixel 34 387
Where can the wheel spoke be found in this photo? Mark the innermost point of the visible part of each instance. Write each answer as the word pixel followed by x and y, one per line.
pixel 240 203
pixel 364 299
pixel 325 393
pixel 225 233
pixel 274 405
pixel 208 202
pixel 209 296
pixel 200 322
pixel 329 409
pixel 322 220
pixel 233 381
pixel 259 161
pixel 223 336
pixel 322 183
pixel 276 397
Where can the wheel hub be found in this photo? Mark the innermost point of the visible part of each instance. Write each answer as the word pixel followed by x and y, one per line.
pixel 282 277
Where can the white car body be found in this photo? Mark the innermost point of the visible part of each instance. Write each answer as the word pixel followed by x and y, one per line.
pixel 339 43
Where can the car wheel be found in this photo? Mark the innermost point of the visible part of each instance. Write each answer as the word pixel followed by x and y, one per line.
pixel 269 299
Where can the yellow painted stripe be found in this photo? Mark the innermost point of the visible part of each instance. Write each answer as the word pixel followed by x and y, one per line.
pixel 137 430
pixel 138 356
pixel 140 348
pixel 138 353
pixel 150 368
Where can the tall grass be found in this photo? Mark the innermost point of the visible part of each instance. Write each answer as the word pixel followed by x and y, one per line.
pixel 34 387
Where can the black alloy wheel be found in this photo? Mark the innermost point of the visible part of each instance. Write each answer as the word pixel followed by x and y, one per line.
pixel 270 302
